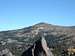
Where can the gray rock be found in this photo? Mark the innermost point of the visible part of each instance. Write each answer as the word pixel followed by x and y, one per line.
pixel 39 48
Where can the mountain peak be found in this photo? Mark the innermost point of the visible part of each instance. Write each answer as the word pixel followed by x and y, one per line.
pixel 42 24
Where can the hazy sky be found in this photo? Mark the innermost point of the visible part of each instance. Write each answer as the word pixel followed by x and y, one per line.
pixel 16 14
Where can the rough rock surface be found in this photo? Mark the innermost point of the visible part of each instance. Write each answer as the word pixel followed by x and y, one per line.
pixel 39 48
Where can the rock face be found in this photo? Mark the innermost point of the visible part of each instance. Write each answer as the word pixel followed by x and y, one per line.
pixel 6 52
pixel 39 48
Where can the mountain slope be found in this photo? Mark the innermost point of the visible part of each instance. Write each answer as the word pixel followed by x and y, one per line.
pixel 20 40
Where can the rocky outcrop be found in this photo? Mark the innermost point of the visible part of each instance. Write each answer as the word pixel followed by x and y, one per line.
pixel 39 48
pixel 6 52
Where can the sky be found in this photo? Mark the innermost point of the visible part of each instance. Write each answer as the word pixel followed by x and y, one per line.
pixel 16 14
